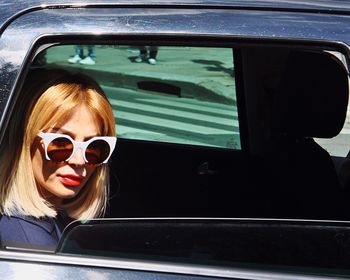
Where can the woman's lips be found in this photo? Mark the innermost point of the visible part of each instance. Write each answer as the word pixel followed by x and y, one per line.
pixel 71 179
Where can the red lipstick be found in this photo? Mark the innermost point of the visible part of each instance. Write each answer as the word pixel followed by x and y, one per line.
pixel 71 180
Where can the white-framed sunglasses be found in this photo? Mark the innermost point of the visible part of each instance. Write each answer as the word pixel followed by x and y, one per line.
pixel 61 147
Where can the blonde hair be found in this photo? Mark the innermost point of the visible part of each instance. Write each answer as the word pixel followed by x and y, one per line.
pixel 47 97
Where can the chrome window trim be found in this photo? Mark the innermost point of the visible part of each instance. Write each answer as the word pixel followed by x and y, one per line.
pixel 160 267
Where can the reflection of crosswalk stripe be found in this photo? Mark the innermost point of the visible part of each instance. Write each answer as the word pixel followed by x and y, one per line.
pixel 173 112
pixel 210 108
pixel 167 123
pixel 134 133
pixel 122 130
pixel 345 131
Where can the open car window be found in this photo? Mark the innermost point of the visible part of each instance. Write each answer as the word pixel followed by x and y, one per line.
pixel 223 126
pixel 184 118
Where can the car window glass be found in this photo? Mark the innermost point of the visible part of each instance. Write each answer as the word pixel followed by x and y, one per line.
pixel 220 242
pixel 184 95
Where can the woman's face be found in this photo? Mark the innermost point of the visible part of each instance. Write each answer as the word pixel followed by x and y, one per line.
pixel 58 181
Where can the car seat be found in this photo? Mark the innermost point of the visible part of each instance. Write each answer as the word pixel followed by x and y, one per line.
pixel 310 101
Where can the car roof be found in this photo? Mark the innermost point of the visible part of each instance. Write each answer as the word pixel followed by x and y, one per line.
pixel 9 10
pixel 287 4
pixel 311 4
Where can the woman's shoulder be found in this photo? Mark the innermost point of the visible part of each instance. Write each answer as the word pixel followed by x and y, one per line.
pixel 27 229
pixel 11 229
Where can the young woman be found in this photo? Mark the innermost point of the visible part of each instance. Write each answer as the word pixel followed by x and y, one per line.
pixel 53 158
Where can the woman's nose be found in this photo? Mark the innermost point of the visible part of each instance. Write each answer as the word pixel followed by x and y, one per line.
pixel 77 158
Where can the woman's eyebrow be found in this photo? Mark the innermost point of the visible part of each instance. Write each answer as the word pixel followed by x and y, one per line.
pixel 61 130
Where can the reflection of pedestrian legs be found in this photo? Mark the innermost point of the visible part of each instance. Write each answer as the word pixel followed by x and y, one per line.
pixel 79 53
pixel 153 51
pixel 90 59
pixel 92 52
pixel 143 56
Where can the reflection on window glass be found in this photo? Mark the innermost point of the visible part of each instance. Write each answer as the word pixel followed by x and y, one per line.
pixel 180 95
pixel 338 145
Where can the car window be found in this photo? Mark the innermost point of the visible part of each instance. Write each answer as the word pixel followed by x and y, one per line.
pixel 187 95
pixel 184 95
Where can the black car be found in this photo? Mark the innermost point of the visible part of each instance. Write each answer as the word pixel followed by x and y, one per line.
pixel 233 135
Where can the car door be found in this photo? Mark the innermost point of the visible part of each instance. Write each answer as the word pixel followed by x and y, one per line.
pixel 189 145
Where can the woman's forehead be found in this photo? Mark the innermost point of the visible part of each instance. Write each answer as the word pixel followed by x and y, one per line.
pixel 82 119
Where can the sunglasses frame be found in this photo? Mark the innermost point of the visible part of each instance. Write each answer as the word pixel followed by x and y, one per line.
pixel 48 137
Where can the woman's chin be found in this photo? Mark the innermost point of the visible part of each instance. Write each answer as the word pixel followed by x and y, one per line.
pixel 67 192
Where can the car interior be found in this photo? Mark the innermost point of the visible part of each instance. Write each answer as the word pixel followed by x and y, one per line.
pixel 285 98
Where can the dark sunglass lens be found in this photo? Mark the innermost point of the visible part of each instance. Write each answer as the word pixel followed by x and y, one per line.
pixel 60 149
pixel 97 151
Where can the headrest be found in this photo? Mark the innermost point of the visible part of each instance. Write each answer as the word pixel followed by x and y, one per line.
pixel 312 97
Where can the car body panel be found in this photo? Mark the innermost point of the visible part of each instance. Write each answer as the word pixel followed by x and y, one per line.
pixel 66 267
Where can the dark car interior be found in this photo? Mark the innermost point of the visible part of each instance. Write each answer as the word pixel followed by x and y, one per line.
pixel 287 98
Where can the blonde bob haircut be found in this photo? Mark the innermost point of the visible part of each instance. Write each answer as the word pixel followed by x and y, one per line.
pixel 47 97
